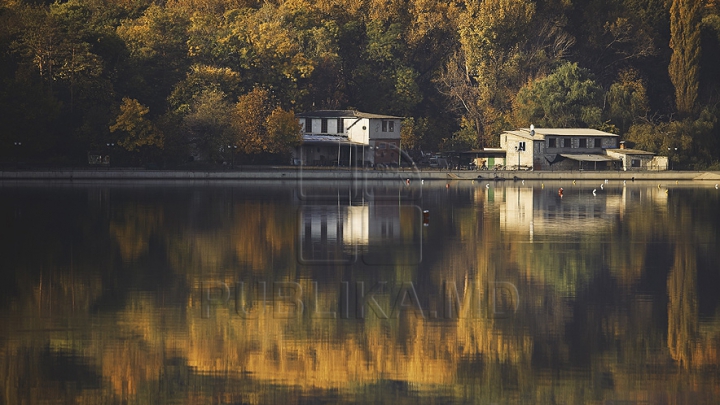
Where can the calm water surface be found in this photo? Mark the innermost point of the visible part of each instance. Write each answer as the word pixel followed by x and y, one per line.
pixel 254 293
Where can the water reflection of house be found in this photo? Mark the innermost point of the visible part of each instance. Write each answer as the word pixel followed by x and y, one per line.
pixel 531 211
pixel 337 233
pixel 348 138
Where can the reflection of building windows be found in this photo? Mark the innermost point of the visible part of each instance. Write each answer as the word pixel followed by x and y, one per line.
pixel 383 145
pixel 635 163
pixel 598 142
pixel 340 126
pixel 323 126
pixel 551 142
pixel 583 143
pixel 567 142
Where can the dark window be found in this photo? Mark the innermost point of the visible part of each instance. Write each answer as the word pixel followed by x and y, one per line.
pixel 340 126
pixel 583 143
pixel 388 126
pixel 521 146
pixel 635 163
pixel 551 142
pixel 323 126
pixel 567 142
pixel 308 125
pixel 598 142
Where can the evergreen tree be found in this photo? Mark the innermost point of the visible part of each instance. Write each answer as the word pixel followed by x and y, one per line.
pixel 685 44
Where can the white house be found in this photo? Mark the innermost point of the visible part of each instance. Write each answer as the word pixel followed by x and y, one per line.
pixel 559 149
pixel 348 138
pixel 635 159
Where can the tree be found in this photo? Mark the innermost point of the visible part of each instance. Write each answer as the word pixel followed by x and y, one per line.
pixel 283 131
pixel 138 130
pixel 259 126
pixel 627 99
pixel 251 111
pixel 207 124
pixel 202 78
pixel 412 133
pixel 569 97
pixel 694 139
pixel 492 34
pixel 685 44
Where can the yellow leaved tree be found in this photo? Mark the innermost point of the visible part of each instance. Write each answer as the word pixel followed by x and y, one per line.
pixel 138 131
pixel 259 126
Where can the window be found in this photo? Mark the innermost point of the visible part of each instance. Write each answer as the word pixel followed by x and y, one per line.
pixel 598 143
pixel 521 146
pixel 308 125
pixel 635 163
pixel 567 143
pixel 583 143
pixel 383 145
pixel 551 142
pixel 340 125
pixel 323 126
pixel 388 126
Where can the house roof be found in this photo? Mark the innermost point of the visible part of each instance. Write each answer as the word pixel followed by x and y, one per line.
pixel 541 133
pixel 484 151
pixel 630 151
pixel 588 157
pixel 328 139
pixel 342 114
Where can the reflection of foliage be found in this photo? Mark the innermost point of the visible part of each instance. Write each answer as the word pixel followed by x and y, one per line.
pixel 134 229
pixel 579 312
pixel 683 306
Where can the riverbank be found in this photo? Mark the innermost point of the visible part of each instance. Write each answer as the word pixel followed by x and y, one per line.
pixel 300 173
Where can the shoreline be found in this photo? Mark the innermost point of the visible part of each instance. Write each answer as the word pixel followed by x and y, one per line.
pixel 299 173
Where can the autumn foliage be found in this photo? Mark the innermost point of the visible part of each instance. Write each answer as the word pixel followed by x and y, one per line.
pixel 461 72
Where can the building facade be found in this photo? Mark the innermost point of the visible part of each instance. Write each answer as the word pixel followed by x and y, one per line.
pixel 348 138
pixel 559 149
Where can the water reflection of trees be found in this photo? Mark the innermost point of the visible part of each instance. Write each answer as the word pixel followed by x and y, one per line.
pixel 582 310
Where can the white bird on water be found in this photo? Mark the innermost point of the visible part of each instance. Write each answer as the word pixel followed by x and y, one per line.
pixel 594 190
pixel 523 182
pixel 716 187
pixel 601 187
pixel 487 185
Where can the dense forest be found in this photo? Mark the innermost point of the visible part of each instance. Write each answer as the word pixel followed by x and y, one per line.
pixel 155 82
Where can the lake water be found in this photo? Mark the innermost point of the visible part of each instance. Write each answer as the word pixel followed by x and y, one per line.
pixel 379 292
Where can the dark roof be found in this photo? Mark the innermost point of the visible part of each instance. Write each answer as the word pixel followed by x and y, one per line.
pixel 342 114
